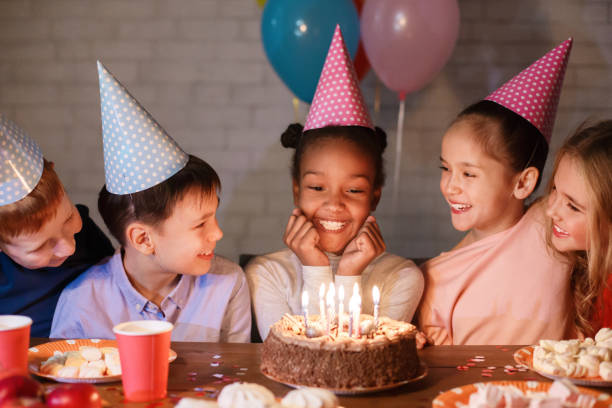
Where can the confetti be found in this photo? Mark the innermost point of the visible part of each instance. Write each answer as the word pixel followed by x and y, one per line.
pixel 486 374
pixel 471 364
pixel 218 375
pixel 491 367
pixel 193 373
pixel 480 357
pixel 216 356
pixel 198 389
pixel 486 370
pixel 462 368
pixel 243 368
pixel 214 364
pixel 240 373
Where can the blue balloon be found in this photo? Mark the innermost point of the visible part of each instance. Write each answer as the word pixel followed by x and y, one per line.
pixel 296 35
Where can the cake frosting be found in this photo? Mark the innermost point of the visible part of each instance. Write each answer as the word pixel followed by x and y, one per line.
pixel 387 355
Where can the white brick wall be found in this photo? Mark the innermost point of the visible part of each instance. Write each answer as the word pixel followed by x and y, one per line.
pixel 199 67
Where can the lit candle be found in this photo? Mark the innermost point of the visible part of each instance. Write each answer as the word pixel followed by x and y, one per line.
pixel 356 311
pixel 376 299
pixel 305 308
pixel 357 316
pixel 340 307
pixel 331 306
pixel 322 304
pixel 351 307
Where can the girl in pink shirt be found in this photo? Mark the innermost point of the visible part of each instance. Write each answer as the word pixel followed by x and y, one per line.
pixel 499 284
pixel 580 222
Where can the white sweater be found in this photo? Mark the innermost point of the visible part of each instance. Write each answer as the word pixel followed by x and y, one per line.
pixel 276 282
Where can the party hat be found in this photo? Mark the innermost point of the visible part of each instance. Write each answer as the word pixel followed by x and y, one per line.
pixel 534 92
pixel 338 99
pixel 138 153
pixel 21 162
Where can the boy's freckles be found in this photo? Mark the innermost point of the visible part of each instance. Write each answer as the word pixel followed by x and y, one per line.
pixel 52 244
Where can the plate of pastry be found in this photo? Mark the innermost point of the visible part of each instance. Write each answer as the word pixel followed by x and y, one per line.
pixel 522 393
pixel 78 361
pixel 583 362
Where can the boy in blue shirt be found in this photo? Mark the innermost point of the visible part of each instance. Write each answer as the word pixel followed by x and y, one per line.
pixel 45 241
pixel 160 204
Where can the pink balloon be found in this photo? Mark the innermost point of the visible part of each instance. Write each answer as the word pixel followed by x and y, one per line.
pixel 409 41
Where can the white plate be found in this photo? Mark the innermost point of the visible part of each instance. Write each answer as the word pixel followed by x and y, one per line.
pixel 422 373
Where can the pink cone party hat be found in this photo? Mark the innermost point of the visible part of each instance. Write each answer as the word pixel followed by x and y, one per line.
pixel 21 162
pixel 534 92
pixel 338 99
pixel 138 153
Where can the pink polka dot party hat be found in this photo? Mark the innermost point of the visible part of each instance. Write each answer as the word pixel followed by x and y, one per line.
pixel 534 92
pixel 338 100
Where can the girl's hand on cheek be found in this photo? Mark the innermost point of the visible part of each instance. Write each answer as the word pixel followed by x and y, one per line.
pixel 302 238
pixel 362 250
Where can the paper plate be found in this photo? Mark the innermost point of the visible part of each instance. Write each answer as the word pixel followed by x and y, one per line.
pixel 42 352
pixel 524 356
pixel 422 373
pixel 460 396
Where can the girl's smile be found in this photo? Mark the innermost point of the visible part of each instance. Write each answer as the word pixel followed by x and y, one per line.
pixel 567 207
pixel 477 187
pixel 335 191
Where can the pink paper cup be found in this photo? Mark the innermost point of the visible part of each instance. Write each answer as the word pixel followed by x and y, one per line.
pixel 144 346
pixel 14 342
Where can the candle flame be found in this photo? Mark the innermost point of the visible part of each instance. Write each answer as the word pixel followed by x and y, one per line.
pixel 355 289
pixel 322 291
pixel 375 295
pixel 341 293
pixel 305 299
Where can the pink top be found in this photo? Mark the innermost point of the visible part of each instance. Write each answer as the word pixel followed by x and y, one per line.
pixel 503 289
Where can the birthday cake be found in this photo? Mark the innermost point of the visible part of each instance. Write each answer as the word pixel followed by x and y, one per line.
pixel 330 358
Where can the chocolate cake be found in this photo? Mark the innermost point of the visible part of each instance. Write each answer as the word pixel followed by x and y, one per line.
pixel 381 357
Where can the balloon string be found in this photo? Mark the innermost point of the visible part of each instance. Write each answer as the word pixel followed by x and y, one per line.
pixel 377 100
pixel 398 156
pixel 296 109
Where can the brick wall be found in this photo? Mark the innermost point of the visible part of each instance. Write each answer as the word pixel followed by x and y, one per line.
pixel 199 68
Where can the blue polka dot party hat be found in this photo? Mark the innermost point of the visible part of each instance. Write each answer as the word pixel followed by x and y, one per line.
pixel 138 152
pixel 21 162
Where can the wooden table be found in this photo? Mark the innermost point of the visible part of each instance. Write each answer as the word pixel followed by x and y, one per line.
pixel 202 369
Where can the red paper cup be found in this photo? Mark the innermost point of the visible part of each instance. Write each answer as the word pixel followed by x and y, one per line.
pixel 14 342
pixel 144 346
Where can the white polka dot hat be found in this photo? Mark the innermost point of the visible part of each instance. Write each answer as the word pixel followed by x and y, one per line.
pixel 338 99
pixel 21 162
pixel 534 92
pixel 138 153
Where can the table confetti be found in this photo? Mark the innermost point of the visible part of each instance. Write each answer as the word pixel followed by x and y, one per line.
pixel 214 364
pixel 216 356
pixel 218 375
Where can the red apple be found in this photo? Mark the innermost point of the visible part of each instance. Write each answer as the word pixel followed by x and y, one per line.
pixel 24 403
pixel 19 386
pixel 74 396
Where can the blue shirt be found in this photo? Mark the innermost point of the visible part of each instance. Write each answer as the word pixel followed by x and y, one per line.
pixel 34 292
pixel 214 307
